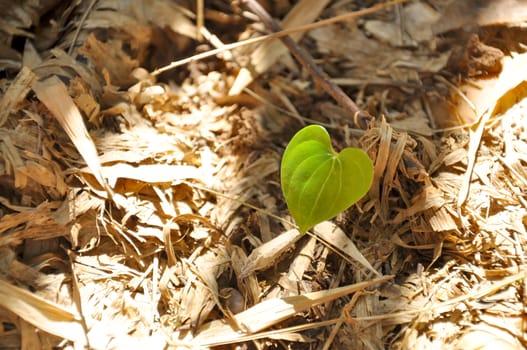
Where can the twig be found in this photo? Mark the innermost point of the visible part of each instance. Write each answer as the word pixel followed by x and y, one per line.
pixel 304 28
pixel 360 117
pixel 79 26
pixel 200 8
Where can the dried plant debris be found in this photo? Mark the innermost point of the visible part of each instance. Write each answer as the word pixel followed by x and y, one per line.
pixel 144 211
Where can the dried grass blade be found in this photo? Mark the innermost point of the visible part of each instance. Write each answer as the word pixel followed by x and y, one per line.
pixel 271 312
pixel 149 173
pixel 54 95
pixel 41 313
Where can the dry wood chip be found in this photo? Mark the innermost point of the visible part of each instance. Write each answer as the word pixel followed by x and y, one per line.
pixel 16 93
pixel 43 175
pixel 248 285
pixel 267 254
pixel 441 220
pixel 13 160
pixel 62 61
pixel 382 136
pixel 292 283
pixel 167 14
pixel 389 181
pixel 338 239
pixel 430 197
pixel 111 59
pixel 199 296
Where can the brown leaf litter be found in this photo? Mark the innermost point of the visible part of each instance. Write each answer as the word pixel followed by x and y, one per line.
pixel 141 207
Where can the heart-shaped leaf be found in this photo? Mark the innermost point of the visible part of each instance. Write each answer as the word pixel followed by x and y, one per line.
pixel 317 182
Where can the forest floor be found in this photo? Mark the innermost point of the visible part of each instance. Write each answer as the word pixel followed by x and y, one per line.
pixel 140 196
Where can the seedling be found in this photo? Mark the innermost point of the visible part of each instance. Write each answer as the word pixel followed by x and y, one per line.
pixel 319 183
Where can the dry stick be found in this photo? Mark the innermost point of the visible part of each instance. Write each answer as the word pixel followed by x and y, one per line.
pixel 200 8
pixel 304 28
pixel 360 117
pixel 79 26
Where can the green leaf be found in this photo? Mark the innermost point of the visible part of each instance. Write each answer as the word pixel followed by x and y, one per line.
pixel 318 183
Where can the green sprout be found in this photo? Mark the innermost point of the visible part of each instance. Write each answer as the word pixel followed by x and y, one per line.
pixel 319 183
